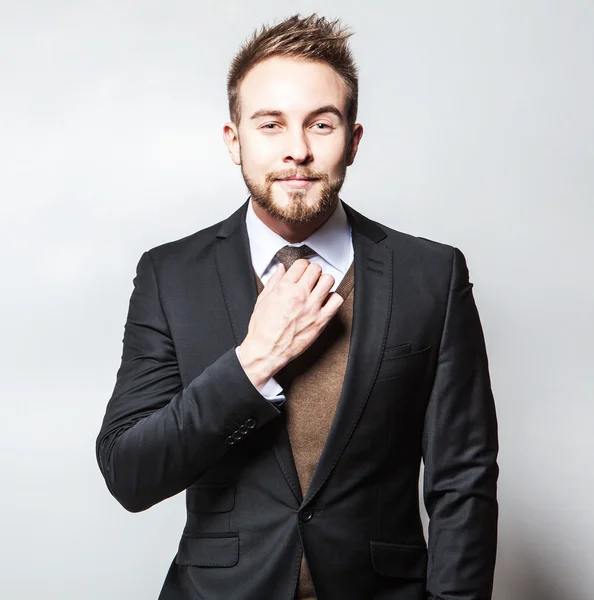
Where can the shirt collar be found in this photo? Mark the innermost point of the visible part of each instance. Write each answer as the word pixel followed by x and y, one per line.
pixel 332 241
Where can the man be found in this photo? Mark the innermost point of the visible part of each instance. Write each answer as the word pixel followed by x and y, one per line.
pixel 290 367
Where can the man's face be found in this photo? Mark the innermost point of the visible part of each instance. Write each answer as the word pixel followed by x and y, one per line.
pixel 293 125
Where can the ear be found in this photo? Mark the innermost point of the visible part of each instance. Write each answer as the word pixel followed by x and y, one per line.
pixel 353 144
pixel 231 137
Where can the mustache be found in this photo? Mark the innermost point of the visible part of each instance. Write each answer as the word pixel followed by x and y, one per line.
pixel 301 173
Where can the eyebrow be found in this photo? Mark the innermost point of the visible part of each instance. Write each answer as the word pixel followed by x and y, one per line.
pixel 268 112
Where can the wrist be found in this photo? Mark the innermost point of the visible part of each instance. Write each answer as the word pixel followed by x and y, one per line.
pixel 258 366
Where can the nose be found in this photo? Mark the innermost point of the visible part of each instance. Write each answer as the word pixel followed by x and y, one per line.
pixel 297 149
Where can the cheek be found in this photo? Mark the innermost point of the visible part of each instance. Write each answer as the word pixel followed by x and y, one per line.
pixel 331 154
pixel 257 150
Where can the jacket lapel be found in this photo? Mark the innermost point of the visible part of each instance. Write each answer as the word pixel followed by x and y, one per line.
pixel 238 284
pixel 371 317
pixel 235 271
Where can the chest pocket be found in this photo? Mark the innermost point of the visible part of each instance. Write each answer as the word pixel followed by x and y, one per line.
pixel 399 361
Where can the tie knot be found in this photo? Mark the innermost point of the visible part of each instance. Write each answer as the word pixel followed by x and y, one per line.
pixel 289 254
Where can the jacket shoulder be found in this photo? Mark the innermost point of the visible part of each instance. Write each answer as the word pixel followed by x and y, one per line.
pixel 412 248
pixel 192 246
pixel 421 248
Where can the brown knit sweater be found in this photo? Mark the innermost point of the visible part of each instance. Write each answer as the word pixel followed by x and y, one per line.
pixel 312 384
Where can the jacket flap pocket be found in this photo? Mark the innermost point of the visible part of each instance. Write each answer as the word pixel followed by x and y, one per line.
pixel 399 560
pixel 399 350
pixel 211 498
pixel 403 364
pixel 202 551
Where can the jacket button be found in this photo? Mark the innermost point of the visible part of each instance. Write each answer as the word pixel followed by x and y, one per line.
pixel 237 435
pixel 230 441
pixel 251 423
pixel 306 515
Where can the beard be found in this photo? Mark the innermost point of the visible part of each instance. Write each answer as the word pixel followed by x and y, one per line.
pixel 297 211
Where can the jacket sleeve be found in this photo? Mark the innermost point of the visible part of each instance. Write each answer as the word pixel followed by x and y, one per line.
pixel 158 437
pixel 460 447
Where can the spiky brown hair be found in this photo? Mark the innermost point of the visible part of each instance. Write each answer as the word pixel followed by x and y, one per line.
pixel 310 38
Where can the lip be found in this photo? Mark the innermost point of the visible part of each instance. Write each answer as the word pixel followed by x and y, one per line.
pixel 296 182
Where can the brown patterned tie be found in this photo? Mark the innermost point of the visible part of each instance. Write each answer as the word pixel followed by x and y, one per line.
pixel 289 254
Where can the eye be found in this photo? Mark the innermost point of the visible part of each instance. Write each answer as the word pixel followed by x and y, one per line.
pixel 269 126
pixel 322 127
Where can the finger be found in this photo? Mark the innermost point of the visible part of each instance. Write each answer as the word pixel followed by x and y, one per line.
pixel 330 308
pixel 295 272
pixel 273 280
pixel 311 276
pixel 322 288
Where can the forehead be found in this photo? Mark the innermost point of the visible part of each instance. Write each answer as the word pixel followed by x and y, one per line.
pixel 291 85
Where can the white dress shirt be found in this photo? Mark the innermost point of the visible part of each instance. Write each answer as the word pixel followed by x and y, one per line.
pixel 333 246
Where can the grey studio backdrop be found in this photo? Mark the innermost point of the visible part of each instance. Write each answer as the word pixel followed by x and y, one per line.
pixel 478 124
